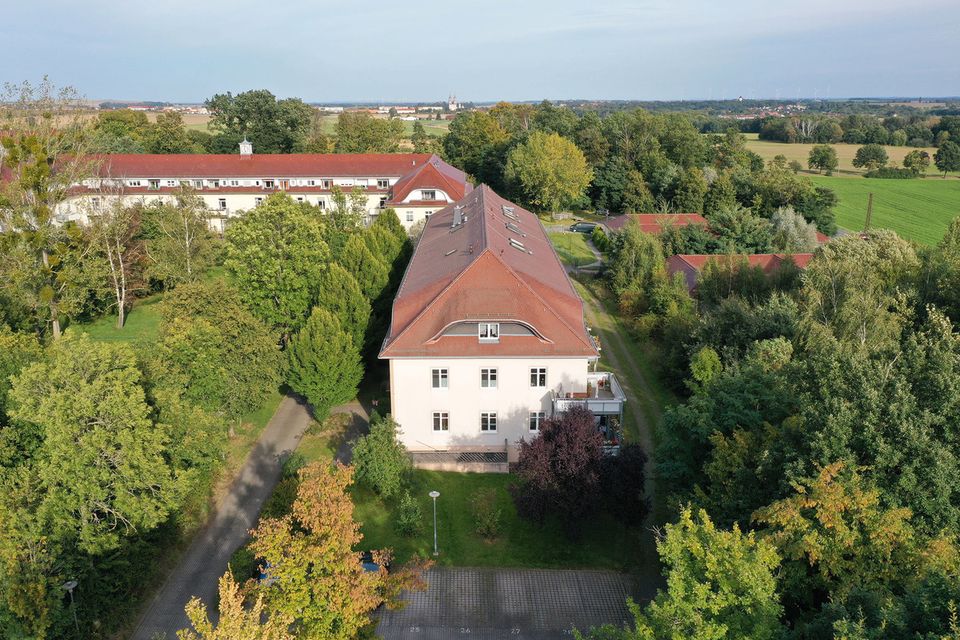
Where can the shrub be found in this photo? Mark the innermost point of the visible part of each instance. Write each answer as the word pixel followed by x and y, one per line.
pixel 409 515
pixel 486 513
pixel 380 460
pixel 243 564
pixel 895 173
pixel 599 239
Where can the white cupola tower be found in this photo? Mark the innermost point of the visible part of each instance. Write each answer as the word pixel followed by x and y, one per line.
pixel 246 148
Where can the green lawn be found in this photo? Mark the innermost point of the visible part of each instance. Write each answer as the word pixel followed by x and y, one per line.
pixel 143 323
pixel 572 248
pixel 432 127
pixel 918 209
pixel 605 543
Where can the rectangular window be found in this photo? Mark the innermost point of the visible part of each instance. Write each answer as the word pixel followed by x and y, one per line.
pixel 268 184
pixel 439 378
pixel 383 203
pixel 441 421
pixel 154 184
pixel 258 201
pixel 488 378
pixel 299 198
pixel 428 194
pixel 538 377
pixel 489 331
pixel 326 184
pixel 488 421
pixel 172 183
pixel 215 184
pixel 383 183
pixel 134 183
pixel 409 216
pixel 360 182
pixel 222 202
pixel 322 204
pixel 234 183
pixel 536 417
pixel 198 184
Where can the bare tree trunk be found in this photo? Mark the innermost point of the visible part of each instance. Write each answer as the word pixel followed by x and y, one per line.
pixel 52 305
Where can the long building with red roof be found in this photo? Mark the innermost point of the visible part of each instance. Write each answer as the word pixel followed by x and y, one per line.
pixel 653 222
pixel 487 336
pixel 414 184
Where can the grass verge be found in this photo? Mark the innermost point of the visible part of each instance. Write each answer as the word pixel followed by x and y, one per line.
pixel 572 248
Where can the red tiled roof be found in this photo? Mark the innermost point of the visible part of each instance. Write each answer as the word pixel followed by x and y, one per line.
pixel 691 264
pixel 654 222
pixel 474 273
pixel 434 174
pixel 328 165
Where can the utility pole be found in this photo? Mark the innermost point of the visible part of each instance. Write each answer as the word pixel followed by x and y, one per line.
pixel 866 226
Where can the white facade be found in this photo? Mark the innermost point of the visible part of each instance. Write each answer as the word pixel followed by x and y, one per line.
pixel 415 399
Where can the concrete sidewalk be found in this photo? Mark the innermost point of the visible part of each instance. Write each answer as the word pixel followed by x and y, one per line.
pixel 533 604
pixel 206 559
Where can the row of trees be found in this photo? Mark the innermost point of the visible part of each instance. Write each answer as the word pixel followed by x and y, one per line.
pixel 818 441
pixel 911 130
pixel 273 126
pixel 873 157
pixel 550 158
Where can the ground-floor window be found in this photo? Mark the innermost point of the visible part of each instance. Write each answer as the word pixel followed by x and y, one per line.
pixel 441 421
pixel 536 417
pixel 488 421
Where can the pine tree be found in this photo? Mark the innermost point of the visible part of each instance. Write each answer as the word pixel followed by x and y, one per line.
pixel 324 363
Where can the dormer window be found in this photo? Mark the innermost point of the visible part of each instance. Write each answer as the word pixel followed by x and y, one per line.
pixel 154 184
pixel 268 184
pixel 429 194
pixel 383 183
pixel 489 332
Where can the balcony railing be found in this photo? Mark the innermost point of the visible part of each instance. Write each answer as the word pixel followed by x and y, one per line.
pixel 603 396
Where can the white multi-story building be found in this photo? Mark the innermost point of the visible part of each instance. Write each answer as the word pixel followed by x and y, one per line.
pixel 487 338
pixel 414 184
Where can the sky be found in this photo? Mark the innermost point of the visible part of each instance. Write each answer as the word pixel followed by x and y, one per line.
pixel 424 50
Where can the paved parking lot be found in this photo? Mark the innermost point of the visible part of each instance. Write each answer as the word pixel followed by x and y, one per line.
pixel 530 604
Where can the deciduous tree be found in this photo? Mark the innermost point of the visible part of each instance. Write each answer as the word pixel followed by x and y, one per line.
pixel 178 243
pixel 236 621
pixel 276 254
pixel 947 157
pixel 870 157
pixel 359 132
pixel 549 171
pixel 823 157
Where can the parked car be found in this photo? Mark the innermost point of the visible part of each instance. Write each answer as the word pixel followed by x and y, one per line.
pixel 369 564
pixel 583 227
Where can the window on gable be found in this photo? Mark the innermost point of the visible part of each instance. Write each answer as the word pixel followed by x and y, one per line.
pixel 441 421
pixel 488 378
pixel 428 194
pixel 489 331
pixel 536 417
pixel 488 421
pixel 538 377
pixel 439 378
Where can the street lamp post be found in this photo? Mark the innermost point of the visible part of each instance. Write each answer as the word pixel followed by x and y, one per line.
pixel 69 586
pixel 435 495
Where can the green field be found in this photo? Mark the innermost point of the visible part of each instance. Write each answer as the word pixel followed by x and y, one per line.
pixel 919 209
pixel 143 323
pixel 572 248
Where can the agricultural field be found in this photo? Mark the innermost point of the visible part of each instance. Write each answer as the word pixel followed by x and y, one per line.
pixel 845 153
pixel 919 210
pixel 201 123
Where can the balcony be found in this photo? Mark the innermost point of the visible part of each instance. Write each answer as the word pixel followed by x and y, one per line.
pixel 603 396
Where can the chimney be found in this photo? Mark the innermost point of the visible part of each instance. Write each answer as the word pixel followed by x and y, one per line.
pixel 457 216
pixel 246 148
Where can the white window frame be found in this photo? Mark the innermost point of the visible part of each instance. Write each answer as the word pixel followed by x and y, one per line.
pixel 198 184
pixel 538 377
pixel 488 422
pixel 441 421
pixel 409 216
pixel 258 201
pixel 488 331
pixel 222 202
pixel 488 378
pixel 383 183
pixel 428 194
pixel 268 184
pixel 440 378
pixel 535 419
